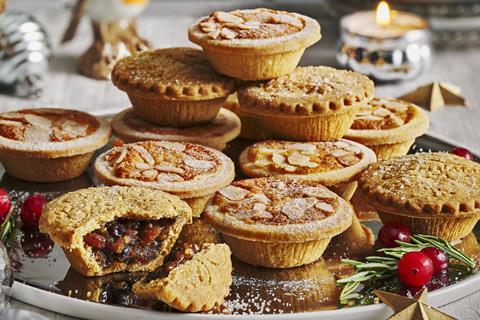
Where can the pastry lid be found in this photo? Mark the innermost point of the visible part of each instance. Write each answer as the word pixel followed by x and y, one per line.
pixel 278 210
pixel 423 184
pixel 308 91
pixel 329 163
pixel 51 132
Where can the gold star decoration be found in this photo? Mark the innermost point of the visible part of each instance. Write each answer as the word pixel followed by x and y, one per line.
pixel 436 95
pixel 415 308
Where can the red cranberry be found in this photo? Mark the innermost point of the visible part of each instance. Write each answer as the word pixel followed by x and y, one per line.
pixel 32 210
pixel 438 257
pixel 462 152
pixel 392 231
pixel 36 244
pixel 415 269
pixel 5 204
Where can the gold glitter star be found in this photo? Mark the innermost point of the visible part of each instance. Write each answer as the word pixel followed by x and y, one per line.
pixel 415 308
pixel 436 95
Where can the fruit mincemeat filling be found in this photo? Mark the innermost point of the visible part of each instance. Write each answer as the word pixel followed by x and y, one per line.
pixel 179 255
pixel 127 241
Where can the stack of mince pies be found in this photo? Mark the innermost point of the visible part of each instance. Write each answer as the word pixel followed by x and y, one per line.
pixel 170 206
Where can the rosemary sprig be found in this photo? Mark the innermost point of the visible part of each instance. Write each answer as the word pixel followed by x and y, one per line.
pixel 376 269
pixel 9 230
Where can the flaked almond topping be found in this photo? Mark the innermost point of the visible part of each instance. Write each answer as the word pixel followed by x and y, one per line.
pixel 10 123
pixel 287 19
pixel 142 165
pixel 278 159
pixel 369 118
pixel 397 121
pixel 280 185
pixel 226 17
pixel 249 25
pixel 214 34
pixel 149 174
pixel 380 112
pixel 144 154
pixel 36 134
pixel 339 153
pixel 199 164
pixel 364 112
pixel 13 115
pixel 261 198
pixel 312 165
pixel 325 207
pixel 295 208
pixel 297 159
pixel 289 168
pixel 341 144
pixel 176 146
pixel 233 193
pixel 396 106
pixel 228 33
pixel 260 210
pixel 301 147
pixel 169 177
pixel 262 163
pixel 348 160
pixel 316 192
pixel 168 168
pixel 122 154
pixel 38 121
pixel 208 26
pixel 264 150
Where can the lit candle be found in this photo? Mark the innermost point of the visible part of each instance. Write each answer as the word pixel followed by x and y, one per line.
pixel 384 43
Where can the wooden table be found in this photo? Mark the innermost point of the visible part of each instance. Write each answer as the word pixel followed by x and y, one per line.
pixel 165 24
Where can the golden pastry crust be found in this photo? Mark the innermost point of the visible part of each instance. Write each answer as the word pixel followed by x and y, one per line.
pixel 278 210
pixel 424 184
pixel 184 169
pixel 195 285
pixel 388 121
pixel 329 163
pixel 224 128
pixel 70 217
pixel 172 74
pixel 308 91
pixel 255 31
pixel 51 133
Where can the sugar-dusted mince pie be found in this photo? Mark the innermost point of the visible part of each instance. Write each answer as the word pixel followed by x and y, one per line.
pixel 47 145
pixel 193 278
pixel 250 130
pixel 224 128
pixel 278 222
pixel 432 193
pixel 309 104
pixel 191 171
pixel 174 87
pixel 329 163
pixel 254 44
pixel 113 229
pixel 388 126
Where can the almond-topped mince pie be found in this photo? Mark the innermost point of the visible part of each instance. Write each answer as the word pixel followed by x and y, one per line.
pixel 191 171
pixel 113 229
pixel 192 279
pixel 278 222
pixel 47 145
pixel 309 104
pixel 254 44
pixel 432 193
pixel 329 163
pixel 224 128
pixel 174 87
pixel 388 126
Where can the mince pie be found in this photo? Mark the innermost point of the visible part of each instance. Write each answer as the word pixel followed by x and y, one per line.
pixel 192 279
pixel 254 44
pixel 114 229
pixel 309 104
pixel 388 126
pixel 174 87
pixel 49 145
pixel 278 222
pixel 224 128
pixel 432 193
pixel 191 171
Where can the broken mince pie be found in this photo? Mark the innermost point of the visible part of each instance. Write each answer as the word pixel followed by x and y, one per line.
pixel 254 44
pixel 191 171
pixel 388 126
pixel 278 222
pixel 114 229
pixel 48 145
pixel 309 104
pixel 175 87
pixel 192 279
pixel 224 128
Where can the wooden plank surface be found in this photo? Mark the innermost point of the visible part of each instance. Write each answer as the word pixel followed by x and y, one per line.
pixel 165 23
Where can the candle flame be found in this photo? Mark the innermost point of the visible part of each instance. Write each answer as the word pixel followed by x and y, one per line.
pixel 383 14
